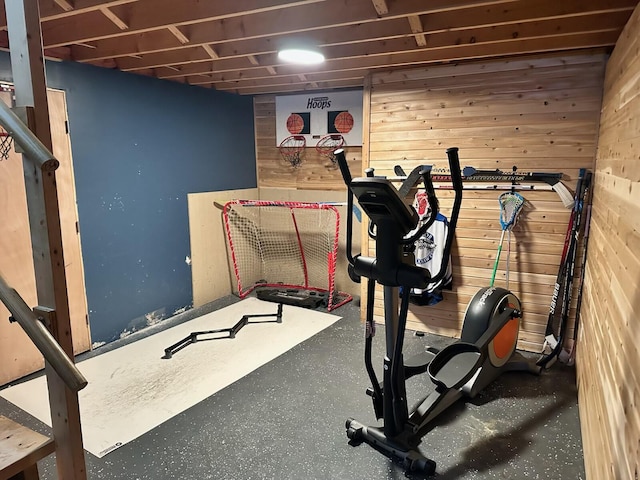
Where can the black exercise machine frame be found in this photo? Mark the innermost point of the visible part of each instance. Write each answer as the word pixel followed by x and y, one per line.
pixel 404 273
pixel 462 368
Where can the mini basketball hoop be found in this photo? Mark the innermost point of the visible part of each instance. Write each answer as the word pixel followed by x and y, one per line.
pixel 295 124
pixel 329 144
pixel 6 142
pixel 292 148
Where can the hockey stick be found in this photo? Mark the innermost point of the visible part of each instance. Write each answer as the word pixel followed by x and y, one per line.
pixel 550 341
pixel 409 181
pixel 471 174
pixel 565 276
pixel 401 176
pixel 583 266
pixel 517 187
pixel 513 176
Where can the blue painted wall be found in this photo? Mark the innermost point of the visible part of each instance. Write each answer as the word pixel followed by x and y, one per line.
pixel 140 145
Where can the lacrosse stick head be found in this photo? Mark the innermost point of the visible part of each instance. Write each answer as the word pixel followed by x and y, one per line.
pixel 510 205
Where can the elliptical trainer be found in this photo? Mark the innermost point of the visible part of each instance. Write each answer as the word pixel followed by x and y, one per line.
pixel 489 335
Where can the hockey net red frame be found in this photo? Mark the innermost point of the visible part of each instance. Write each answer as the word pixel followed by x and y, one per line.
pixel 285 245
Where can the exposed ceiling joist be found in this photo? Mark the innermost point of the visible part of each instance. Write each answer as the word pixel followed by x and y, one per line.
pixel 233 32
pixel 147 15
pixel 232 44
pixel 479 35
pixel 226 17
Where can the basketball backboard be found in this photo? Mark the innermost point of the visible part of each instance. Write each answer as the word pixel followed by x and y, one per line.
pixel 315 115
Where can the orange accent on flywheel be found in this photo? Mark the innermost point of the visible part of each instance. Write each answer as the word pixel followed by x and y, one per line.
pixel 504 341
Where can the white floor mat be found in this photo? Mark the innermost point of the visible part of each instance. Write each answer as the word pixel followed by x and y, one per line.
pixel 133 389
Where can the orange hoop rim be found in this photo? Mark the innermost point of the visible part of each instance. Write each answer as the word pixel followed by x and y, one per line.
pixel 294 138
pixel 292 152
pixel 329 147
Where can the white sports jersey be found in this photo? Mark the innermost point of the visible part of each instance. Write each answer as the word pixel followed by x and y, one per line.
pixel 429 251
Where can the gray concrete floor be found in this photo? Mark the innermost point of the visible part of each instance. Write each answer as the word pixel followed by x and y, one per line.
pixel 286 421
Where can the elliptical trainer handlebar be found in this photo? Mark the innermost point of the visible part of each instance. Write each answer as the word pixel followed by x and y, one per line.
pixel 456 181
pixel 344 167
pixel 346 176
pixel 383 204
pixel 454 168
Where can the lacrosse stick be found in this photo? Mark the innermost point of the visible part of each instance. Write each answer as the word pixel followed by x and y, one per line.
pixel 510 205
pixel 509 243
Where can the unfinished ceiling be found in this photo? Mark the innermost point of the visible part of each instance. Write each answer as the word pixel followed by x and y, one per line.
pixel 231 45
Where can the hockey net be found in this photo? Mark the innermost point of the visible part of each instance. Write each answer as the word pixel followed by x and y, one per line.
pixel 289 245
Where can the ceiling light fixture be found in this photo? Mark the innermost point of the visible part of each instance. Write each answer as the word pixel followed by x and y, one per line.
pixel 300 56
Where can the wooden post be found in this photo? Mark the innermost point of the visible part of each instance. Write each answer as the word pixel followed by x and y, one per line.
pixel 366 130
pixel 27 63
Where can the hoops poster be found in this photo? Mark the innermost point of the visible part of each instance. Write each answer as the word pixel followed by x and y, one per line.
pixel 315 115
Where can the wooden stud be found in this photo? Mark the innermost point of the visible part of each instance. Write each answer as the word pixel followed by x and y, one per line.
pixel 272 70
pixel 182 38
pixel 253 60
pixel 366 161
pixel 210 51
pixel 64 4
pixel 114 18
pixel 416 27
pixel 23 21
pixel 50 9
pixel 381 7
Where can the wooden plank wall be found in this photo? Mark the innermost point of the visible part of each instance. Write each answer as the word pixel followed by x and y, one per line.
pixel 608 356
pixel 314 173
pixel 537 113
